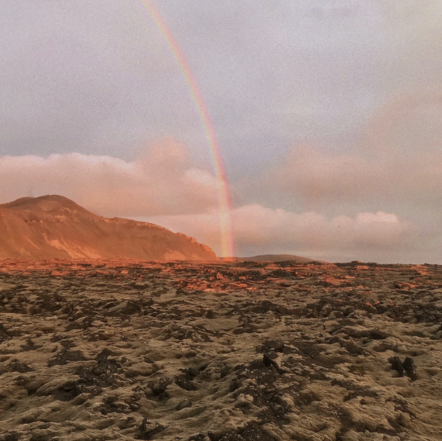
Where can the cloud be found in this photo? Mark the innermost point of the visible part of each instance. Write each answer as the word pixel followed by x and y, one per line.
pixel 163 187
pixel 366 236
pixel 161 181
pixel 397 167
pixel 98 76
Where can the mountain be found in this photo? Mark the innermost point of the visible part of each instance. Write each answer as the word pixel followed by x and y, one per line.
pixel 53 226
pixel 277 258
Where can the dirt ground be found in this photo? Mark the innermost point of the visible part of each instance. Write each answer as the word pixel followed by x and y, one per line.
pixel 231 351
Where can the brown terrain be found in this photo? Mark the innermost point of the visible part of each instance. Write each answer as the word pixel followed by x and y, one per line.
pixel 51 227
pixel 277 258
pixel 221 351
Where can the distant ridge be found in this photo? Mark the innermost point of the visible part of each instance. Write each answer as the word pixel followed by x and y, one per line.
pixel 276 258
pixel 53 226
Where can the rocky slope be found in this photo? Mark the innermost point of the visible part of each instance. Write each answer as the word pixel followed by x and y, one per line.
pixel 237 351
pixel 55 227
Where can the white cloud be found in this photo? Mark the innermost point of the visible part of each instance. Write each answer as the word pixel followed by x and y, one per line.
pixel 257 230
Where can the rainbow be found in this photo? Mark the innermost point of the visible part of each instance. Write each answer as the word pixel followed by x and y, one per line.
pixel 227 249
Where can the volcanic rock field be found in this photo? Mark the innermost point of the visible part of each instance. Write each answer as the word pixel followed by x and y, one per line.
pixel 225 351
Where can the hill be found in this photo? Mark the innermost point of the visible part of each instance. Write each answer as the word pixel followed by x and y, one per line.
pixel 277 258
pixel 53 226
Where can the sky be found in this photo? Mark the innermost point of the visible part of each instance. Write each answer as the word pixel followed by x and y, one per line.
pixel 327 113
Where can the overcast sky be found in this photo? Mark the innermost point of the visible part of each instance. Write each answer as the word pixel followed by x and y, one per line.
pixel 328 114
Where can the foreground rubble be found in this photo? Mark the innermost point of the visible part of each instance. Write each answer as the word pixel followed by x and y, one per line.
pixel 230 351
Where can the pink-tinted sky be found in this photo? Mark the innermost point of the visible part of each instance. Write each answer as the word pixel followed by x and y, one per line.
pixel 328 115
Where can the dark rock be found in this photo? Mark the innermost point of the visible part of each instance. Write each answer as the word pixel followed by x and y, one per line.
pixel 17 366
pixel 103 355
pixel 158 389
pixel 377 334
pixel 11 437
pixel 68 392
pixel 249 433
pixel 410 368
pixel 185 383
pixel 104 363
pixel 257 364
pixel 397 365
pixel 232 436
pixel 268 362
pixel 146 432
pixel 407 367
pixel 199 437
pixel 160 386
pixel 66 356
pixel 4 334
pixel 68 344
pixel 30 345
pixel 267 306
pixel 190 373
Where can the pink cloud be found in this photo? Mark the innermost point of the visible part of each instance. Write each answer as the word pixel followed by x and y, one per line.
pixel 158 183
pixel 318 179
pixel 398 162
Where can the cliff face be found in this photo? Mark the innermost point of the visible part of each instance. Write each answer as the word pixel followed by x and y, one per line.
pixel 55 227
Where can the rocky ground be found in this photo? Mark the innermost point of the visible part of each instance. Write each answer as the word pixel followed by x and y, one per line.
pixel 229 351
